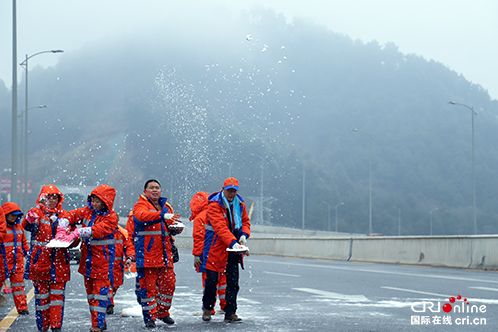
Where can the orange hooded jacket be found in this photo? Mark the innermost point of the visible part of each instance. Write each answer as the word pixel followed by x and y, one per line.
pixel 218 235
pixel 15 243
pixel 3 226
pixel 198 207
pixel 45 263
pixel 124 250
pixel 99 251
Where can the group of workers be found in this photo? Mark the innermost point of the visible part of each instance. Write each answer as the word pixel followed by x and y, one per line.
pixel 220 233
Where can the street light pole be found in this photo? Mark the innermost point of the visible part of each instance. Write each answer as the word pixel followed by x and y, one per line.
pixel 434 209
pixel 473 114
pixel 336 219
pixel 399 221
pixel 261 193
pixel 13 170
pixel 370 223
pixel 329 207
pixel 370 226
pixel 24 164
pixel 304 199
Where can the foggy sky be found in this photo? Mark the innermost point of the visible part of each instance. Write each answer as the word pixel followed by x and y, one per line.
pixel 461 34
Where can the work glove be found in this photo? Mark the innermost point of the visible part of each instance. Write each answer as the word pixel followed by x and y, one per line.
pixel 197 262
pixel 32 217
pixel 64 236
pixel 243 240
pixel 237 246
pixel 61 233
pixel 63 223
pixel 83 232
pixel 172 217
pixel 71 236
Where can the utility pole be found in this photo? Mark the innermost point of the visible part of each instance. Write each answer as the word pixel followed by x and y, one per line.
pixel 473 113
pixel 261 193
pixel 399 221
pixel 304 198
pixel 13 171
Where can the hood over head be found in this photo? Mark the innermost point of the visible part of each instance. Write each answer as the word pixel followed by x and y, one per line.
pixel 50 189
pixel 11 207
pixel 198 202
pixel 106 194
pixel 14 209
pixel 2 216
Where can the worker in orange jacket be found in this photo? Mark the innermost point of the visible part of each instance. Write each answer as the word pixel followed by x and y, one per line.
pixel 198 208
pixel 151 226
pixel 48 268
pixel 14 248
pixel 2 234
pixel 228 226
pixel 125 254
pixel 98 250
pixel 3 224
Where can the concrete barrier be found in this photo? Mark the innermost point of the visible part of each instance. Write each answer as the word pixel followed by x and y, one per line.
pixel 319 247
pixel 438 251
pixel 478 251
pixel 484 252
pixel 473 251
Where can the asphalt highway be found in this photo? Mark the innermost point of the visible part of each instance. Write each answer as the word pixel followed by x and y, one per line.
pixel 292 294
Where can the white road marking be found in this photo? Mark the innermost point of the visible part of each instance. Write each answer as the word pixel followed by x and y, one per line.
pixel 380 304
pixel 344 300
pixel 282 274
pixel 356 300
pixel 332 295
pixel 434 276
pixel 487 301
pixel 415 291
pixel 485 288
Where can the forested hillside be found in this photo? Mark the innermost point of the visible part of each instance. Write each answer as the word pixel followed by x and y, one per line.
pixel 269 102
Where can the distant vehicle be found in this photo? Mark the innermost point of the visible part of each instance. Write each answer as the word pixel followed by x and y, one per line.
pixel 74 196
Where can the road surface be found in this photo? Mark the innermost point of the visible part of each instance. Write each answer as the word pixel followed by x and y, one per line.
pixel 292 294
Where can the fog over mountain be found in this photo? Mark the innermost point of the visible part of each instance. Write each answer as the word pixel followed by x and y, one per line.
pixel 270 102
